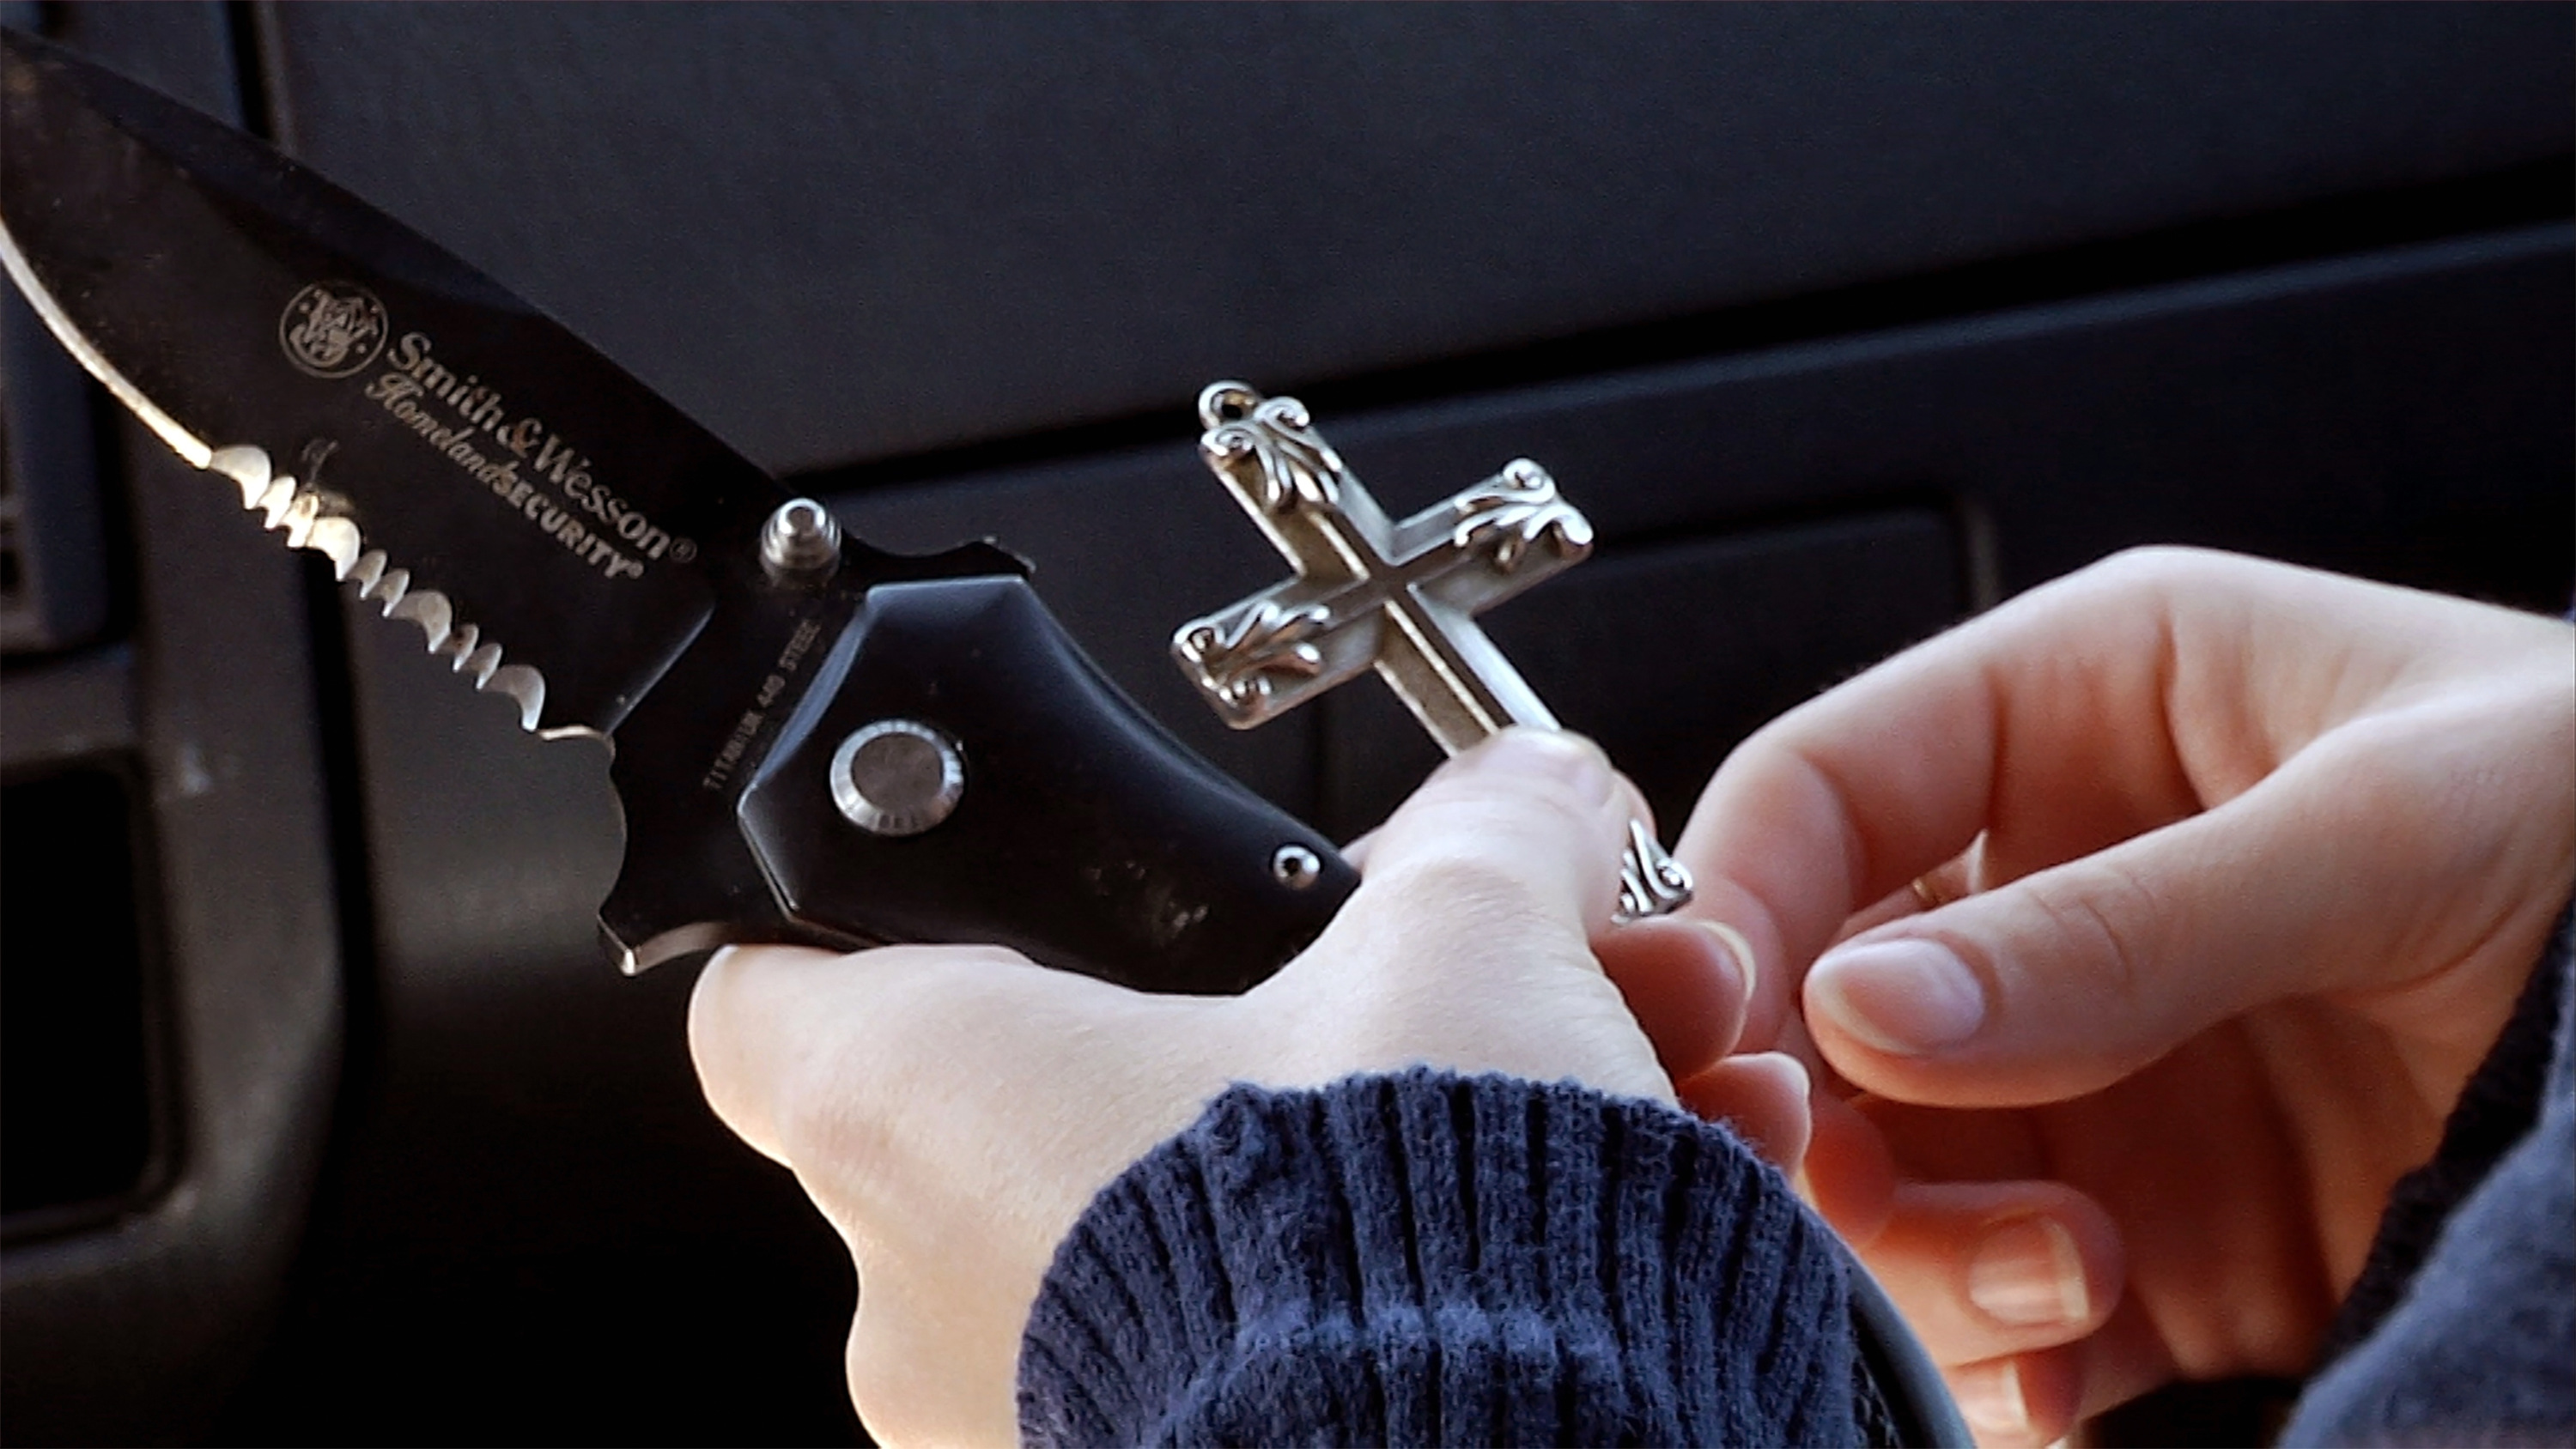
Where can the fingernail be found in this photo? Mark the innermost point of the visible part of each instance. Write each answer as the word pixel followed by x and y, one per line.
pixel 1524 752
pixel 1989 1396
pixel 1791 1073
pixel 1911 997
pixel 1738 950
pixel 2027 1274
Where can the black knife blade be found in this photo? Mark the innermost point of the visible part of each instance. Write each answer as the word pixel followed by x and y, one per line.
pixel 569 538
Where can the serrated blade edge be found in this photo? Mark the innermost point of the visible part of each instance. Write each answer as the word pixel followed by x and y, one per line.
pixel 303 515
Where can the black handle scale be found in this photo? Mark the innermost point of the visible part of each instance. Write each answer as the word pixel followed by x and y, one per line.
pixel 1083 836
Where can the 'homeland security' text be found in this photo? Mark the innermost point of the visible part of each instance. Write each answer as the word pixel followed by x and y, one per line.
pixel 482 439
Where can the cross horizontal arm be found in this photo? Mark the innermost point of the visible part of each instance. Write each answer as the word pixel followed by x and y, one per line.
pixel 1400 598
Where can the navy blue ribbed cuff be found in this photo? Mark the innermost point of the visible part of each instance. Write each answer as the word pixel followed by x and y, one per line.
pixel 1426 1258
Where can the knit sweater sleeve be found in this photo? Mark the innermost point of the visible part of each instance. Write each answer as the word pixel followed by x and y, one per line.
pixel 1427 1258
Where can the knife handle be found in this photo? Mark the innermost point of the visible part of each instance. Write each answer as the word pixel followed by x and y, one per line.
pixel 959 771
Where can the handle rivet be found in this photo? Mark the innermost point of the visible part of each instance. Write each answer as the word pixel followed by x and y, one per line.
pixel 1296 867
pixel 897 777
pixel 801 542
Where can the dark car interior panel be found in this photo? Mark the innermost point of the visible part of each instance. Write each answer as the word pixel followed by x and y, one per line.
pixel 326 1117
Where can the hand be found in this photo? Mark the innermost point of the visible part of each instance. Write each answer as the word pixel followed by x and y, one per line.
pixel 953 1110
pixel 2235 871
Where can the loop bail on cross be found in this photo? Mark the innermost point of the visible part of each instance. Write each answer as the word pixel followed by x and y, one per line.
pixel 1399 598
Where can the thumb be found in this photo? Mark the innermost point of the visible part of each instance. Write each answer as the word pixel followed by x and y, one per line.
pixel 2071 978
pixel 1466 945
pixel 1535 815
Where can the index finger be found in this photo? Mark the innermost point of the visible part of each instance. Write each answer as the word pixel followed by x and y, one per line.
pixel 2040 725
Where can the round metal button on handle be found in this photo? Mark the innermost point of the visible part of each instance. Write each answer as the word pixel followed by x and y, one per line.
pixel 897 777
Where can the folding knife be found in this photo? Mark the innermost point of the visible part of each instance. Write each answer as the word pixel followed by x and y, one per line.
pixel 815 741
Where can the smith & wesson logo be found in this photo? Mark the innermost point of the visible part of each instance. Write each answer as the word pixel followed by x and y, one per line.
pixel 332 329
pixel 337 329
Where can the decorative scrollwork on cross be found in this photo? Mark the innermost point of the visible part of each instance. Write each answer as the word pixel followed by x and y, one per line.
pixel 1651 882
pixel 1508 514
pixel 1274 435
pixel 1400 598
pixel 1236 660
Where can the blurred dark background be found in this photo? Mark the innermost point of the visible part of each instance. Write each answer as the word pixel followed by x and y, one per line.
pixel 325 1120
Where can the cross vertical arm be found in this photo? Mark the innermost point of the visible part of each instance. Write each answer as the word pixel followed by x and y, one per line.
pixel 1399 598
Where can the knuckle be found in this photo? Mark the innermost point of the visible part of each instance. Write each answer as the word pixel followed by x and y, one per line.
pixel 2150 581
pixel 2155 565
pixel 835 1132
pixel 2100 918
pixel 1456 884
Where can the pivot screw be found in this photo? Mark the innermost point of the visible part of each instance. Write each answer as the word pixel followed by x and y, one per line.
pixel 897 777
pixel 1296 867
pixel 801 542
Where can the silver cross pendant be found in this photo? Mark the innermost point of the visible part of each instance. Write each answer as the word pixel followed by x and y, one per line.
pixel 1397 597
